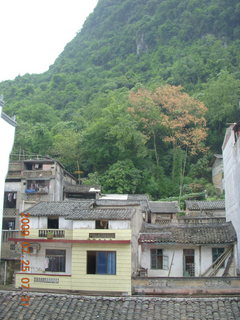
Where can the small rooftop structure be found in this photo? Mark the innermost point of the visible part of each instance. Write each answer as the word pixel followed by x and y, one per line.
pixel 164 207
pixel 205 205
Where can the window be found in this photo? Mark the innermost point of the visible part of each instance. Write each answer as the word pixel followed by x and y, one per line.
pixel 55 260
pixel 101 224
pixel 37 186
pixel 33 166
pixel 101 262
pixel 216 253
pixel 53 223
pixel 10 199
pixel 188 262
pixel 12 246
pixel 8 224
pixel 156 259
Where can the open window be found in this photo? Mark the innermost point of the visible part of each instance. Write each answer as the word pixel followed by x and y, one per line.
pixel 101 224
pixel 8 224
pixel 10 199
pixel 53 223
pixel 37 186
pixel 33 166
pixel 101 262
pixel 55 260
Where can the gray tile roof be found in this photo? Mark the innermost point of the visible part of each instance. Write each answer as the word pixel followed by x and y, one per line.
pixel 46 306
pixel 58 208
pixel 184 234
pixel 108 214
pixel 163 207
pixel 205 205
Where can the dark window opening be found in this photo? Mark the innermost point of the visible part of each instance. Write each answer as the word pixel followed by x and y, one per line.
pixel 37 186
pixel 56 260
pixel 101 262
pixel 101 224
pixel 12 246
pixel 53 223
pixel 188 263
pixel 8 224
pixel 33 166
pixel 216 253
pixel 10 199
pixel 156 259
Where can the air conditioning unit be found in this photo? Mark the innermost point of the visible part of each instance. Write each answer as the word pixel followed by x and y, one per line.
pixel 34 248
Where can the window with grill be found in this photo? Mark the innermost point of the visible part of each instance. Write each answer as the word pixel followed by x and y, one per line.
pixel 156 259
pixel 56 260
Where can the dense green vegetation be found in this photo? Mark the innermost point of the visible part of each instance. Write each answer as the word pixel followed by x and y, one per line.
pixel 78 111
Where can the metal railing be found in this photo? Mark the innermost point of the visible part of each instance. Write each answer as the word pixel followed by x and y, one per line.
pixel 56 233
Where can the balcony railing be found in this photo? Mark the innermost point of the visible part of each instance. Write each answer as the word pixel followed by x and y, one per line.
pixel 55 233
pixel 6 234
pixel 37 173
pixel 101 235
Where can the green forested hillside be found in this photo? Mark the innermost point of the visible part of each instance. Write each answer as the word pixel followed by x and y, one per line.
pixel 80 111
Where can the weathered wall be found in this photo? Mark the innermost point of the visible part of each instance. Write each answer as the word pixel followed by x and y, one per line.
pixel 7 131
pixel 231 162
pixel 202 259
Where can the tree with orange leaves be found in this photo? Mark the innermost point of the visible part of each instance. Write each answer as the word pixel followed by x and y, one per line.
pixel 173 114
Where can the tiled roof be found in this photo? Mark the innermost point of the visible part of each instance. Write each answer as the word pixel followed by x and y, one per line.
pixel 58 208
pixel 47 306
pixel 205 205
pixel 197 234
pixel 108 214
pixel 164 207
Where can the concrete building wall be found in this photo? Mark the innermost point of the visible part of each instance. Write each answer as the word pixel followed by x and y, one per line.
pixel 7 130
pixel 217 173
pixel 87 224
pixel 231 162
pixel 119 224
pixel 136 226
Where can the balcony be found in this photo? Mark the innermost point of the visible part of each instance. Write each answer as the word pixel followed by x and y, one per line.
pixel 37 174
pixel 102 235
pixel 80 235
pixel 6 234
pixel 56 233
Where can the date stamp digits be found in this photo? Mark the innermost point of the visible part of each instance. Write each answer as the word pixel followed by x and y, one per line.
pixel 25 264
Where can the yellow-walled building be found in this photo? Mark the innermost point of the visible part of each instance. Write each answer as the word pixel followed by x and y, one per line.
pixel 72 245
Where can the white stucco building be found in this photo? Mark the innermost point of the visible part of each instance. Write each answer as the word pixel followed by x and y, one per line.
pixel 7 132
pixel 231 163
pixel 189 247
